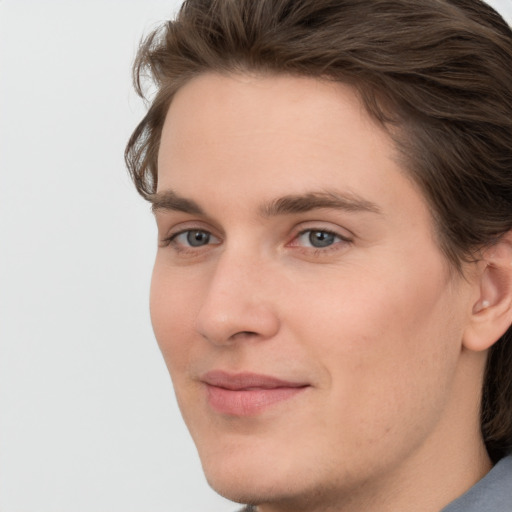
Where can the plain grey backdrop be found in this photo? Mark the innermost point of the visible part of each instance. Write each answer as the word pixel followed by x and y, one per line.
pixel 88 420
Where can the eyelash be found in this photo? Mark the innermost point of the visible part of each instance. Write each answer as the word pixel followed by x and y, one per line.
pixel 317 250
pixel 180 248
pixel 184 249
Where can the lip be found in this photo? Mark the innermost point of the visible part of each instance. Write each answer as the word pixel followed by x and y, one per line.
pixel 247 394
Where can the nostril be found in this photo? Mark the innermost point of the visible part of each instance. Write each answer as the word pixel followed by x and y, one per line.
pixel 244 334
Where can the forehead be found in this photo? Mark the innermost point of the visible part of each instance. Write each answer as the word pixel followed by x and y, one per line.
pixel 268 125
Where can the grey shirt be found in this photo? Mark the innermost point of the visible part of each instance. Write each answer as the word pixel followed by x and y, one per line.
pixel 491 494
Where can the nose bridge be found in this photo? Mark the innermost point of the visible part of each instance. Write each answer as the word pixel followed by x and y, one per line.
pixel 238 300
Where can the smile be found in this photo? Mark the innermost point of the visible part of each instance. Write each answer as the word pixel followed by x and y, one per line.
pixel 247 394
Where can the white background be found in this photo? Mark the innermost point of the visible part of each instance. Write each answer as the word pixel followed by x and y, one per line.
pixel 88 421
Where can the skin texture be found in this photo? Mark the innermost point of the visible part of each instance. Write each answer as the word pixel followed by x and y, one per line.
pixel 375 322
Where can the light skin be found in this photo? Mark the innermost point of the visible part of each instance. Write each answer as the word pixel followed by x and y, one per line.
pixel 292 244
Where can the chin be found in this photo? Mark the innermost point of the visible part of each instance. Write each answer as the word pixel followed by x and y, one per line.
pixel 259 473
pixel 294 491
pixel 244 492
pixel 250 476
pixel 251 491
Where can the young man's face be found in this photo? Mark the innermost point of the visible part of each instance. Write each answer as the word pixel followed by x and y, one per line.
pixel 310 323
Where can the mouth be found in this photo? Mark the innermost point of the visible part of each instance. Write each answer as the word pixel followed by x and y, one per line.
pixel 247 394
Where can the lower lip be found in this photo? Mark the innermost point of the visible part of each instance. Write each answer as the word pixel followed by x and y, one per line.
pixel 248 402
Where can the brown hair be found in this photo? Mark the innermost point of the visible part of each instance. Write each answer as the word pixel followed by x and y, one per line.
pixel 437 73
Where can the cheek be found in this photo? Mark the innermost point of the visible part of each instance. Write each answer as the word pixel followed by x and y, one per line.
pixel 399 306
pixel 386 346
pixel 172 304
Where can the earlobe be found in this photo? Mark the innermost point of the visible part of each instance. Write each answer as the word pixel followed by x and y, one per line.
pixel 491 314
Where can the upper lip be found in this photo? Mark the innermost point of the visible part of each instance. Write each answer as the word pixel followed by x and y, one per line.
pixel 247 381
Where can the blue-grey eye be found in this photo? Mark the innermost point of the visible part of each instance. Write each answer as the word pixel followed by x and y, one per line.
pixel 318 238
pixel 197 238
pixel 321 238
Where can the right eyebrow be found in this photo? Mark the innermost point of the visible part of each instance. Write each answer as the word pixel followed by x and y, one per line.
pixel 313 200
pixel 170 201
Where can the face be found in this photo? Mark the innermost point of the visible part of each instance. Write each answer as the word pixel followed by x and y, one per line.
pixel 311 326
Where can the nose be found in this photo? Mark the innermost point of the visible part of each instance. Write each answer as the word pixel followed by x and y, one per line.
pixel 238 303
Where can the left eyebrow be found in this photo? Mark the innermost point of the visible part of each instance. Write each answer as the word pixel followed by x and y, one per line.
pixel 313 200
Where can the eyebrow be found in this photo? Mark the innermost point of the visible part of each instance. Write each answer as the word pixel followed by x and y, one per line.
pixel 169 200
pixel 301 203
pixel 289 204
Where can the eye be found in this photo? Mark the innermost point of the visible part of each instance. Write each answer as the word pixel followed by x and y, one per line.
pixel 193 238
pixel 318 238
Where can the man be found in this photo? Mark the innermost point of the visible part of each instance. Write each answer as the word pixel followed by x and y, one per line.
pixel 332 292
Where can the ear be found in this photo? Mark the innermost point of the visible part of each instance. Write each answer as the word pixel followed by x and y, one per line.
pixel 491 313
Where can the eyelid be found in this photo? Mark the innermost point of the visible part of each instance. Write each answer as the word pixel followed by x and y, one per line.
pixel 324 230
pixel 344 239
pixel 192 230
pixel 184 227
pixel 337 239
pixel 323 226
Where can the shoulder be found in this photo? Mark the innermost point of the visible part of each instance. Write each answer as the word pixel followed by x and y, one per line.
pixel 493 492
